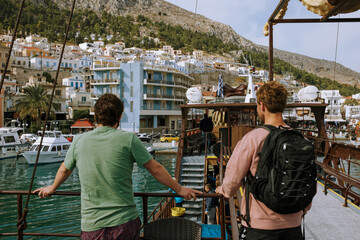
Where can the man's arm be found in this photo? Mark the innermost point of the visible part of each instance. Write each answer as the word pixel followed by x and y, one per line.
pixel 62 174
pixel 162 175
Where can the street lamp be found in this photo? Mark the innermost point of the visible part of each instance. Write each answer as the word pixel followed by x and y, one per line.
pixel 23 126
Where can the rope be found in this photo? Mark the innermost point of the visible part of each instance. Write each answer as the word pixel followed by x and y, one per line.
pixel 22 222
pixel 12 43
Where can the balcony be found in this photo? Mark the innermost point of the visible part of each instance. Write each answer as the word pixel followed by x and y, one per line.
pixel 163 97
pixel 106 65
pixel 165 83
pixel 97 96
pixel 105 81
pixel 84 103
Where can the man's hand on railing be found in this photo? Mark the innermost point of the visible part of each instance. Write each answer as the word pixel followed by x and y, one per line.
pixel 45 191
pixel 188 193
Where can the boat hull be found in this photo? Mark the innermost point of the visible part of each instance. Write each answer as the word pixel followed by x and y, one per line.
pixel 45 157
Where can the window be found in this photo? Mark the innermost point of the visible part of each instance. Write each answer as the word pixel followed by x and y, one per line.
pixel 172 124
pixel 69 64
pixel 149 90
pixel 81 84
pixel 163 105
pixel 150 105
pixel 9 139
pixel 53 149
pixel 122 91
pixel 58 148
pixel 83 99
pixel 131 106
pixel 58 92
pixel 65 147
pixel 161 121
pixel 72 84
pixel 74 65
pixel 131 91
pixel 45 149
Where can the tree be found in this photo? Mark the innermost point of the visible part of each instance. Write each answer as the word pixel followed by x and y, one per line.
pixel 34 103
pixel 81 114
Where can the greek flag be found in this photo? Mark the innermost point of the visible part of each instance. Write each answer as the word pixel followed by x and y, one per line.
pixel 220 92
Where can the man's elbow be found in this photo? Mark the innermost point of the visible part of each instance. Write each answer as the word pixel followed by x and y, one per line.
pixel 156 171
pixel 64 169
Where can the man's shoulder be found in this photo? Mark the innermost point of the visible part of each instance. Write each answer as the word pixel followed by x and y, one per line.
pixel 258 132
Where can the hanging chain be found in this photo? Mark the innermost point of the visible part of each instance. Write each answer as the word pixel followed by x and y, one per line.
pixel 22 222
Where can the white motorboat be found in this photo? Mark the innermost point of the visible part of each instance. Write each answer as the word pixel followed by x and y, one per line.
pixel 10 144
pixel 53 149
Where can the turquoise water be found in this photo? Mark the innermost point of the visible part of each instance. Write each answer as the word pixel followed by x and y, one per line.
pixel 60 214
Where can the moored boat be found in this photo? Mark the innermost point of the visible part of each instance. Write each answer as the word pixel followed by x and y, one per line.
pixel 53 149
pixel 10 144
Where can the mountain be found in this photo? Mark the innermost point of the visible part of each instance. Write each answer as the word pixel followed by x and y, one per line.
pixel 160 10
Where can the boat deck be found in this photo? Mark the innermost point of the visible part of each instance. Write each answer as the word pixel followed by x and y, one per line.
pixel 329 219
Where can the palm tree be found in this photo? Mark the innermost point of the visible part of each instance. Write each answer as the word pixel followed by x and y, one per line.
pixel 35 101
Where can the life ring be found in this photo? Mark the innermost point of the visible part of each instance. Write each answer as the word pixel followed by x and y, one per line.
pixel 353 121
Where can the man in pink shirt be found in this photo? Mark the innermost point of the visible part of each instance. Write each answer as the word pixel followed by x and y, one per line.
pixel 265 223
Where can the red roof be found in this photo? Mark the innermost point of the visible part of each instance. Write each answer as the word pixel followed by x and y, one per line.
pixel 83 123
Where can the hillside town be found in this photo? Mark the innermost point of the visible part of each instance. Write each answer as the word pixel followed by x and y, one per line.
pixel 152 83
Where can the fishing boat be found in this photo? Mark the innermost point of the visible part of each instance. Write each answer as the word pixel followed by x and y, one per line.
pixel 10 143
pixel 53 149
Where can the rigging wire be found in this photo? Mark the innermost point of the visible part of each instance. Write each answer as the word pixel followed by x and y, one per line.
pixel 22 222
pixel 196 5
pixel 12 43
pixel 333 83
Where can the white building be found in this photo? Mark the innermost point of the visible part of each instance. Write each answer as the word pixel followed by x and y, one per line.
pixel 332 111
pixel 74 83
pixel 352 112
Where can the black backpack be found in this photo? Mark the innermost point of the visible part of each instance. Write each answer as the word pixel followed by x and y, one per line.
pixel 285 180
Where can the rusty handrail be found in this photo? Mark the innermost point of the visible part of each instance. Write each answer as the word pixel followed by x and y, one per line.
pixel 144 195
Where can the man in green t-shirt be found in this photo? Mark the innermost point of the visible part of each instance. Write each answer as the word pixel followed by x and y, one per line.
pixel 105 158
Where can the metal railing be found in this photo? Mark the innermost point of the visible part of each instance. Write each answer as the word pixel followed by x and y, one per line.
pixel 162 210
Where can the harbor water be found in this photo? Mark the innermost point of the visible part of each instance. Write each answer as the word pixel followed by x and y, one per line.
pixel 60 214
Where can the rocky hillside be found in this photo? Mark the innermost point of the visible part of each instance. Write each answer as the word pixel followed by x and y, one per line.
pixel 160 10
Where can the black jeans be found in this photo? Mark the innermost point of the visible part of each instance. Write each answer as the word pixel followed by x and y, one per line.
pixel 279 234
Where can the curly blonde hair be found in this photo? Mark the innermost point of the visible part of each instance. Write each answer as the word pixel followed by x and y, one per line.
pixel 273 95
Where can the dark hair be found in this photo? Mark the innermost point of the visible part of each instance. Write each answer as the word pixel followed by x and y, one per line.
pixel 273 95
pixel 108 109
pixel 205 115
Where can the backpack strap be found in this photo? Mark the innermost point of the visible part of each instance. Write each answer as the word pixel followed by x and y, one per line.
pixel 269 142
pixel 246 218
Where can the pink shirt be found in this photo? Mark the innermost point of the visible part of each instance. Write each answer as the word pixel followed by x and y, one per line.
pixel 244 158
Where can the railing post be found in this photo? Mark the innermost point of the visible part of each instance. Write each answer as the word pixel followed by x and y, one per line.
pixel 19 206
pixel 145 209
pixel 222 218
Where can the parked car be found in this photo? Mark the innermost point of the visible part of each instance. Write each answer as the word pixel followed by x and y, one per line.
pixel 29 137
pixel 169 138
pixel 143 137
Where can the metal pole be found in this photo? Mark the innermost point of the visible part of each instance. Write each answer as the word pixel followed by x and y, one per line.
pixel 271 52
pixel 145 209
pixel 19 205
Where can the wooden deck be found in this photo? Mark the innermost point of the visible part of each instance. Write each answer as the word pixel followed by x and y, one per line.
pixel 328 219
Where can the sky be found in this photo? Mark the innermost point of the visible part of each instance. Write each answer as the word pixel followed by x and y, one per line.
pixel 247 18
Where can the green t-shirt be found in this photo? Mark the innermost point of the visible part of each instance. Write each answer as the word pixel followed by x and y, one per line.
pixel 105 158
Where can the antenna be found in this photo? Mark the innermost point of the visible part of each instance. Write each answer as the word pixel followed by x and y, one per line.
pixel 196 9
